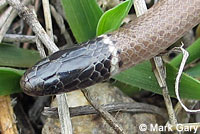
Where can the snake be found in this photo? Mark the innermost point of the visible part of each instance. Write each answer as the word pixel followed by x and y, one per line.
pixel 104 56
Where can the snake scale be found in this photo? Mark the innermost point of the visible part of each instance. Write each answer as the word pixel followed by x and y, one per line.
pixel 109 54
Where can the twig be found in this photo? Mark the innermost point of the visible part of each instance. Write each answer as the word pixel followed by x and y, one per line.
pixel 140 7
pixel 29 31
pixel 64 114
pixel 58 18
pixel 160 71
pixel 39 44
pixel 40 48
pixel 107 116
pixel 60 22
pixel 19 38
pixel 115 107
pixel 8 22
pixel 47 18
pixel 32 21
pixel 5 16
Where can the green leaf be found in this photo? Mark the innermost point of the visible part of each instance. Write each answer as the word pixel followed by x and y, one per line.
pixel 112 19
pixel 193 54
pixel 12 56
pixel 142 76
pixel 194 71
pixel 9 80
pixel 82 16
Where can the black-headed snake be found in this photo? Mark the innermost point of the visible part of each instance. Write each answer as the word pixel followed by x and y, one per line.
pixel 104 56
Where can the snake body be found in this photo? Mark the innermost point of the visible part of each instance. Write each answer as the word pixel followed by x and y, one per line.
pixel 106 55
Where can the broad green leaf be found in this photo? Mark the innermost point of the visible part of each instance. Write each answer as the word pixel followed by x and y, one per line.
pixel 141 76
pixel 194 54
pixel 9 80
pixel 112 19
pixel 82 16
pixel 194 71
pixel 12 56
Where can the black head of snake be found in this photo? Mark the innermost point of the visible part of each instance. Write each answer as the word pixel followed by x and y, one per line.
pixel 72 69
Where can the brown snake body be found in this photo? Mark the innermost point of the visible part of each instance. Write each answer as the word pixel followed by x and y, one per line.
pixel 100 58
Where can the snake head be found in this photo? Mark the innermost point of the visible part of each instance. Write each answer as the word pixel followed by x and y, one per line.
pixel 69 69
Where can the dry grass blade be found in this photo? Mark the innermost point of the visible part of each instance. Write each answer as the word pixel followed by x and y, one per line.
pixel 7 120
